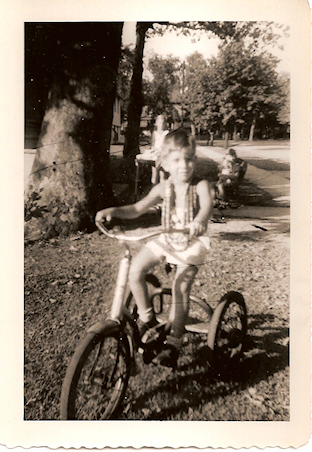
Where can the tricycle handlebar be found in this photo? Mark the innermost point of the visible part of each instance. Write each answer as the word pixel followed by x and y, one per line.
pixel 128 238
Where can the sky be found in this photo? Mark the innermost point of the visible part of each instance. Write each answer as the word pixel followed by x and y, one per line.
pixel 182 46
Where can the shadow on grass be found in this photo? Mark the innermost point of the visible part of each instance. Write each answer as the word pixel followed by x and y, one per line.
pixel 264 356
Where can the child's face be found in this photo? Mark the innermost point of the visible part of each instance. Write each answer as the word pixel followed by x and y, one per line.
pixel 180 164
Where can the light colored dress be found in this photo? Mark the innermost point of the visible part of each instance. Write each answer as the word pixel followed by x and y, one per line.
pixel 177 248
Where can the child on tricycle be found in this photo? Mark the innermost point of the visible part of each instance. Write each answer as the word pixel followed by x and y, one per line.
pixel 233 170
pixel 186 204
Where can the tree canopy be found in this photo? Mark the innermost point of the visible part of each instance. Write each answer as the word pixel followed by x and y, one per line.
pixel 165 77
pixel 238 90
pixel 244 85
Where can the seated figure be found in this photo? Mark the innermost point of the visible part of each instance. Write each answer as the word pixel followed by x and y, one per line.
pixel 233 170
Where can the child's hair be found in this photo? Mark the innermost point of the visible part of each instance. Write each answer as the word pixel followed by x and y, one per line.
pixel 232 152
pixel 177 140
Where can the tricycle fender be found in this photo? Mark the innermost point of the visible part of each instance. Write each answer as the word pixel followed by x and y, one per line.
pixel 105 326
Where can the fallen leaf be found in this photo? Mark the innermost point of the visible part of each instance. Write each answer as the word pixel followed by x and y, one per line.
pixel 252 391
pixel 75 238
pixel 198 283
pixel 254 401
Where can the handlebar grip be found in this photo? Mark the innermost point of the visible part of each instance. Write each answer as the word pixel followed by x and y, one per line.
pixel 101 227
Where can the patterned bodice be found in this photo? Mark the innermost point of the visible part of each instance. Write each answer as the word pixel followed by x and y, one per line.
pixel 178 218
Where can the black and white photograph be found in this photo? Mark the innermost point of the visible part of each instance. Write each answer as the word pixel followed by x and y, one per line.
pixel 164 275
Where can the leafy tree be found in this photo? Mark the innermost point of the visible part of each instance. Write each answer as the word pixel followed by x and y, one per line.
pixel 238 87
pixel 75 66
pixel 284 102
pixel 250 85
pixel 199 92
pixel 258 33
pixel 158 91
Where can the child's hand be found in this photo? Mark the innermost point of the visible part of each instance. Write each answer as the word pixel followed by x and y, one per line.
pixel 105 214
pixel 197 228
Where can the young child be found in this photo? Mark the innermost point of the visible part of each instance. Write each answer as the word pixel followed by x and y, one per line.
pixel 233 170
pixel 226 174
pixel 186 204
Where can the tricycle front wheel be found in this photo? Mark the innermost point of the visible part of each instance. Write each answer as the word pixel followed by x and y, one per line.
pixel 97 378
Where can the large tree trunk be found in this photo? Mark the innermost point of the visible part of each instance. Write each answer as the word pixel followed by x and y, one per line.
pixel 70 177
pixel 132 134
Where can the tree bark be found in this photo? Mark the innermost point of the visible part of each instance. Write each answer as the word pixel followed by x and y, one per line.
pixel 132 134
pixel 70 177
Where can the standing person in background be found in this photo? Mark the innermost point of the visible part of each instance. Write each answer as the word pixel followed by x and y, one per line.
pixel 157 141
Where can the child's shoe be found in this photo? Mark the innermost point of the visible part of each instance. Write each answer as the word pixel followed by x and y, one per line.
pixel 168 357
pixel 152 336
pixel 148 329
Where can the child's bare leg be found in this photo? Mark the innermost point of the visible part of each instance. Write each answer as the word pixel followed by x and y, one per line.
pixel 180 304
pixel 220 190
pixel 180 300
pixel 140 265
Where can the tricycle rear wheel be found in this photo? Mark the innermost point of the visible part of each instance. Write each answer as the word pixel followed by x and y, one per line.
pixel 227 332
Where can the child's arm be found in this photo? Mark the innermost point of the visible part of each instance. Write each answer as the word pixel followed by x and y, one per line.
pixel 199 225
pixel 132 210
pixel 224 167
